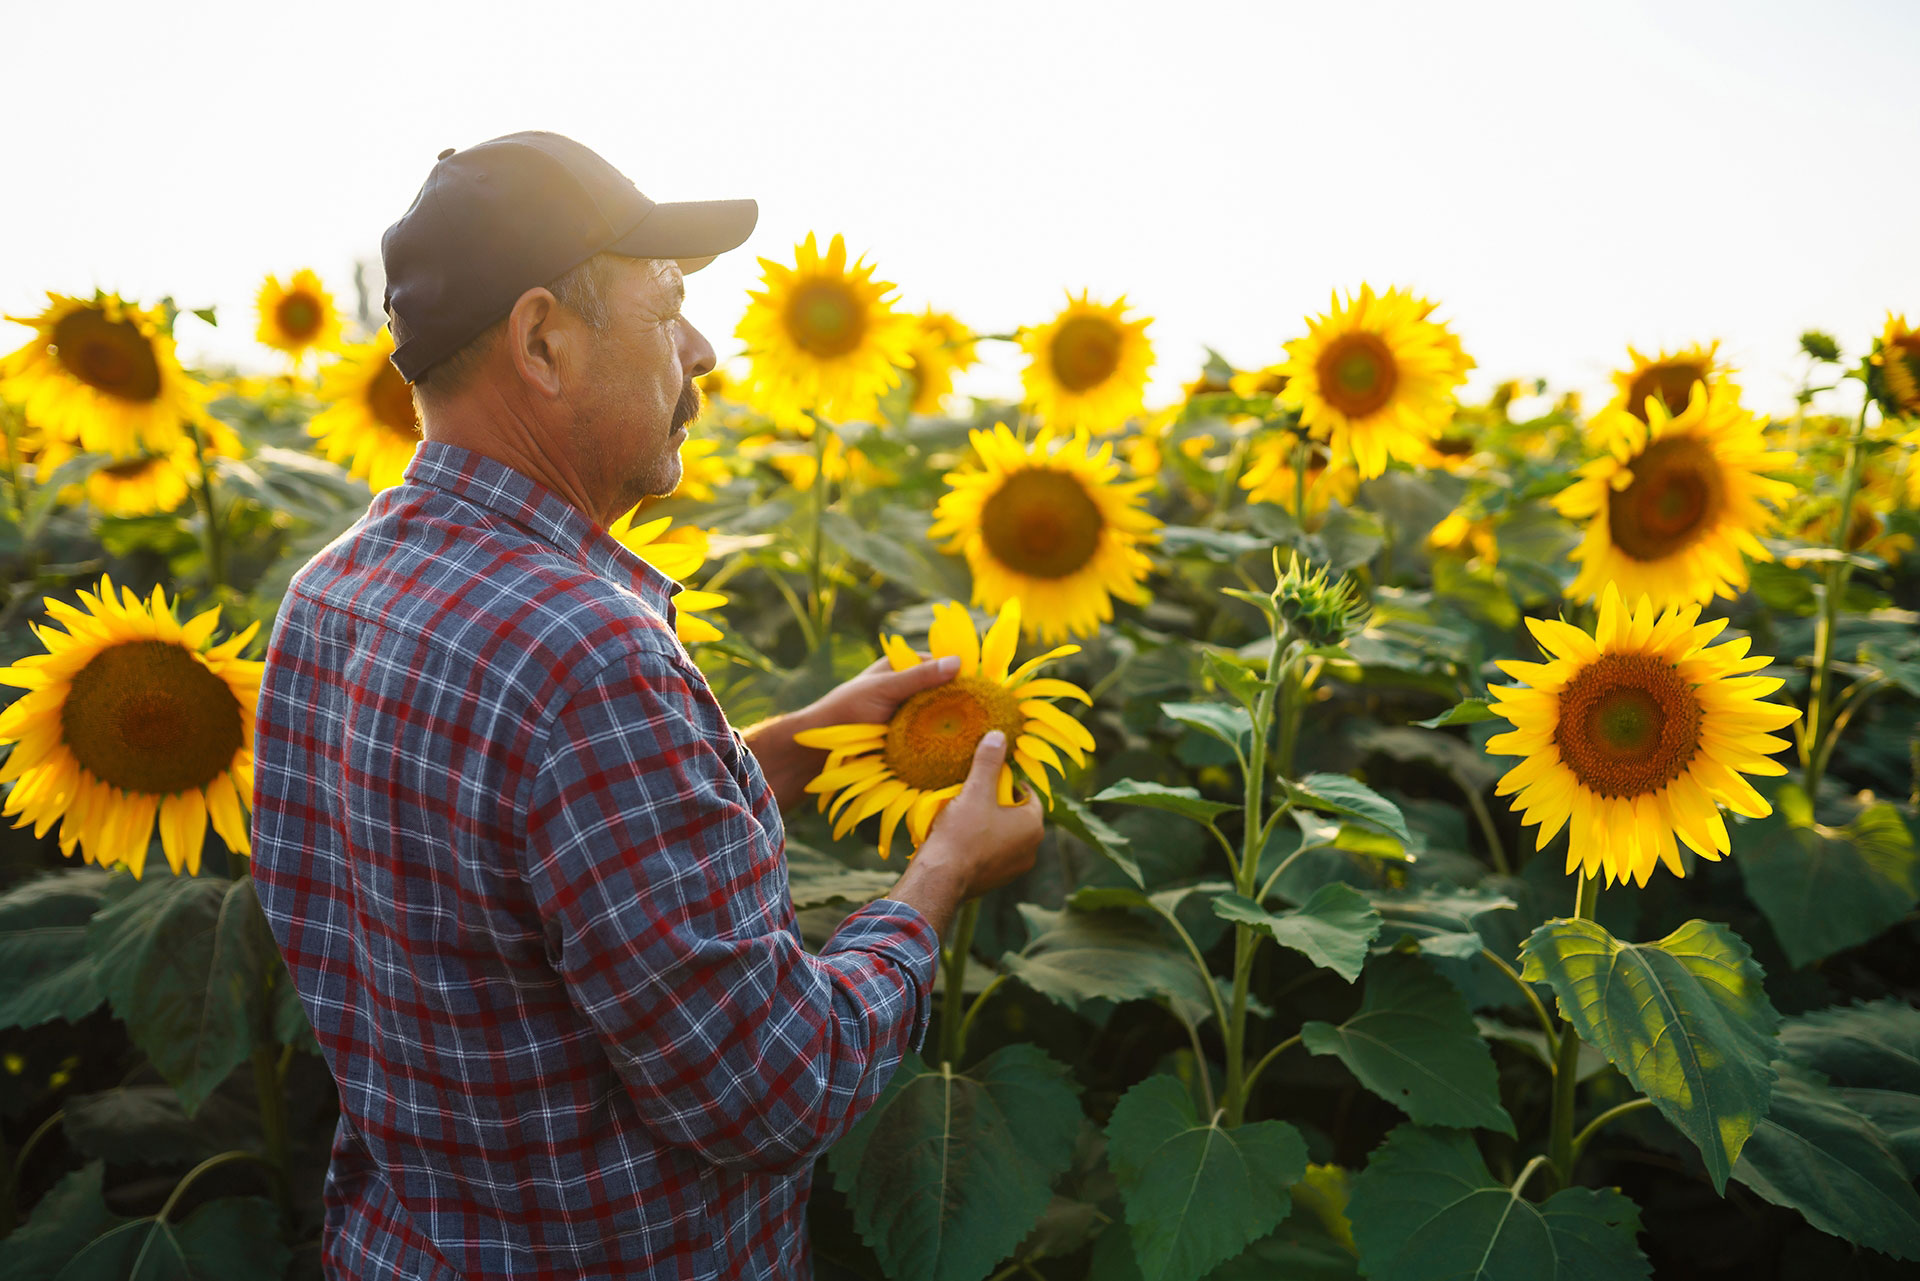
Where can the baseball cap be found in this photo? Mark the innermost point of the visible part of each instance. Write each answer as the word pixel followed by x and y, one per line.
pixel 515 212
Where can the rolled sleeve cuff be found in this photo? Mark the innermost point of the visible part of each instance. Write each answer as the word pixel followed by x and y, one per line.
pixel 898 932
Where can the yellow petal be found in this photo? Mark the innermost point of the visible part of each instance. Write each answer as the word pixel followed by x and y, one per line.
pixel 1002 639
pixel 953 633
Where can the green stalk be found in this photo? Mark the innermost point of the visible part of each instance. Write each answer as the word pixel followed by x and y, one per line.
pixel 953 960
pixel 1815 743
pixel 210 535
pixel 1566 1064
pixel 1245 938
pixel 268 1080
pixel 1300 448
pixel 814 575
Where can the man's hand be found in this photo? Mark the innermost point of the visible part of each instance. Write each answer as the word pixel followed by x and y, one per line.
pixel 871 698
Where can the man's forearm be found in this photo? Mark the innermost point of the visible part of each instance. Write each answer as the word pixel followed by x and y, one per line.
pixel 788 767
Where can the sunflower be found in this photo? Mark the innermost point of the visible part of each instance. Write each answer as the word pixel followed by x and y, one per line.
pixel 1893 370
pixel 799 466
pixel 677 554
pixel 1635 734
pixel 1670 378
pixel 1811 521
pixel 1465 532
pixel 299 317
pixel 129 716
pixel 942 347
pixel 101 372
pixel 823 336
pixel 143 486
pixel 1675 501
pixel 1047 523
pixel 1376 375
pixel 1270 477
pixel 917 761
pixel 1087 366
pixel 370 418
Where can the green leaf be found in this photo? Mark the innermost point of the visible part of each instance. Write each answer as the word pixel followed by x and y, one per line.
pixel 948 1171
pixel 1686 1019
pixel 1196 1193
pixel 1426 1209
pixel 1184 801
pixel 1071 813
pixel 816 879
pixel 1465 712
pixel 181 959
pixel 223 1239
pixel 207 314
pixel 1333 928
pixel 1076 957
pixel 1443 919
pixel 896 560
pixel 1413 1042
pixel 1233 675
pixel 1814 1154
pixel 1871 1052
pixel 1824 889
pixel 45 972
pixel 145 1123
pixel 1231 725
pixel 72 1213
pixel 1338 794
pixel 1223 546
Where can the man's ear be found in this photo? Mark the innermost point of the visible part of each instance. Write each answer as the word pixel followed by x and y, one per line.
pixel 539 341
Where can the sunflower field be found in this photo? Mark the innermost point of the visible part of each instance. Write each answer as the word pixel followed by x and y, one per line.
pixel 1481 836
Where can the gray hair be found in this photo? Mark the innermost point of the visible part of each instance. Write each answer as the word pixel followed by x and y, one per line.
pixel 582 290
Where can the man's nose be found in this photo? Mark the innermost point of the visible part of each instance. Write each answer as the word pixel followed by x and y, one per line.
pixel 696 353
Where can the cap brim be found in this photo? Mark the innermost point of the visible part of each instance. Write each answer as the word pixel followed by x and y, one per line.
pixel 691 232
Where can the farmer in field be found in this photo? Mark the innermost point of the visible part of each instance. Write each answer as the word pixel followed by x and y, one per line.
pixel 530 884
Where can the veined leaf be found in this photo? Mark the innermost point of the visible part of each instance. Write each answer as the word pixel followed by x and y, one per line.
pixel 1195 1192
pixel 1069 812
pixel 223 1239
pixel 1685 1018
pixel 1426 1209
pixel 1465 712
pixel 1823 888
pixel 1414 1043
pixel 949 1170
pixel 1814 1154
pixel 72 1213
pixel 1871 1052
pixel 1332 929
pixel 817 879
pixel 145 1123
pixel 1185 801
pixel 1338 794
pixel 1078 956
pixel 1231 725
pixel 45 971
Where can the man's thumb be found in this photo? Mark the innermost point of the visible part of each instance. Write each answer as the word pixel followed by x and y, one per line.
pixel 988 755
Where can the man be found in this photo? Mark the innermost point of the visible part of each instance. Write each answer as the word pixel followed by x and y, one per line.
pixel 529 882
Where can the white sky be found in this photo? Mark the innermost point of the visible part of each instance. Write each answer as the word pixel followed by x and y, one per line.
pixel 1563 179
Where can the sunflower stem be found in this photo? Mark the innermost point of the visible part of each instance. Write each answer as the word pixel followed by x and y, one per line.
pixel 210 530
pixel 953 1006
pixel 1300 481
pixel 1614 1113
pixel 1816 744
pixel 1566 1063
pixel 815 587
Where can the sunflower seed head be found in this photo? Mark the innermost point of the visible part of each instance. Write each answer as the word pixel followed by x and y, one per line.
pixel 1316 610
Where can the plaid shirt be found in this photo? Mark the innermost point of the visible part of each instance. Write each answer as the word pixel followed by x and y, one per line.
pixel 532 890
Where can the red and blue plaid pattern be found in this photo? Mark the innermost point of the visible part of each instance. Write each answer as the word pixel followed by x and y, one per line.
pixel 532 890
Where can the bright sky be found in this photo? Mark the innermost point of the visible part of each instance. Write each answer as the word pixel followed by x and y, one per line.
pixel 1562 179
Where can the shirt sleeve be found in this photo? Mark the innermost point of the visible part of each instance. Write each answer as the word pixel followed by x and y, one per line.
pixel 668 921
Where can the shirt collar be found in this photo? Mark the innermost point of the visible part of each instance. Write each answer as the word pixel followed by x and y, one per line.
pixel 490 483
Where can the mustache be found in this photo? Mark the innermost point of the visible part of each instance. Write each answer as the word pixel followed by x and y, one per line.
pixel 689 406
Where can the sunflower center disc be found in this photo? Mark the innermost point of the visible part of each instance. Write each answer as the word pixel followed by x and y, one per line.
pixel 147 716
pixel 391 401
pixel 1675 496
pixel 111 356
pixel 1629 724
pixel 1084 353
pixel 1357 374
pixel 132 469
pixel 298 317
pixel 1043 523
pixel 825 320
pixel 930 740
pixel 1672 382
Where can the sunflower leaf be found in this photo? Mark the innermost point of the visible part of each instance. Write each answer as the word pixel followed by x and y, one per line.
pixel 1426 1206
pixel 230 1237
pixel 184 961
pixel 1414 1043
pixel 1333 929
pixel 1185 801
pixel 1231 725
pixel 1465 712
pixel 1871 1052
pixel 816 879
pixel 72 1213
pixel 948 1171
pixel 1825 889
pixel 1070 812
pixel 896 560
pixel 1338 794
pixel 1686 1019
pixel 45 971
pixel 1079 956
pixel 1196 1192
pixel 1815 1154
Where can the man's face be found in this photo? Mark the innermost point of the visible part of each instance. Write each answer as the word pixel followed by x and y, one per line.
pixel 632 413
